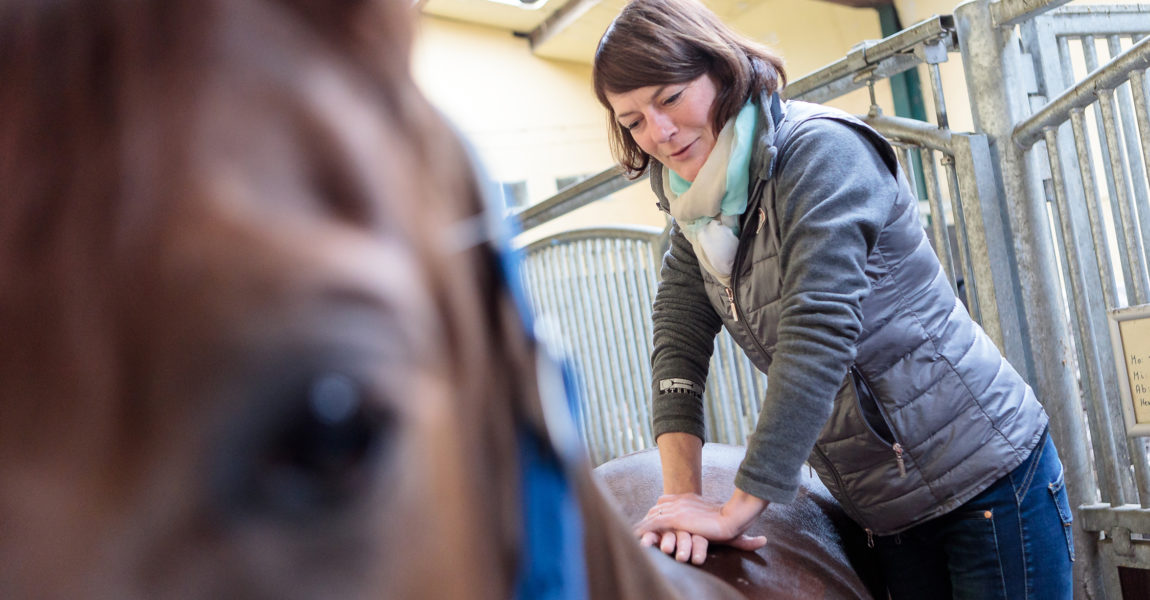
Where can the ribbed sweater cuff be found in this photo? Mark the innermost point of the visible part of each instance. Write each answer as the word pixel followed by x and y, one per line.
pixel 678 412
pixel 771 492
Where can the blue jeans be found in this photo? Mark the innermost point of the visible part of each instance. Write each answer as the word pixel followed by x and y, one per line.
pixel 1012 541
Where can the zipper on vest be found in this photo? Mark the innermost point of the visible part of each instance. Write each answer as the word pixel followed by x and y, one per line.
pixel 869 538
pixel 762 220
pixel 847 503
pixel 734 310
pixel 862 388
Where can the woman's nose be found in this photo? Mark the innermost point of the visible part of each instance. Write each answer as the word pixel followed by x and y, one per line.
pixel 663 128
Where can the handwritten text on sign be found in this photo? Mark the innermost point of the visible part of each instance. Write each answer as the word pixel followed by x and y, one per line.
pixel 1136 348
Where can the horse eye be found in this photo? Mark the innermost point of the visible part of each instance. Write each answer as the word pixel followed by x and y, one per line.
pixel 317 457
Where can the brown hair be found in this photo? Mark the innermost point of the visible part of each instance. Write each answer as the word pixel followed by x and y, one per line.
pixel 659 42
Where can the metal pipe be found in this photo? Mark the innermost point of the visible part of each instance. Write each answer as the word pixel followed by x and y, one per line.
pixel 1006 13
pixel 600 185
pixel 911 131
pixel 1029 131
pixel 1088 337
pixel 966 254
pixel 1138 89
pixel 936 92
pixel 1138 275
pixel 938 217
pixel 886 57
pixel 1137 173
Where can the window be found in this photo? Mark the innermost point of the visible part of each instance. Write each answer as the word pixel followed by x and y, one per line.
pixel 514 194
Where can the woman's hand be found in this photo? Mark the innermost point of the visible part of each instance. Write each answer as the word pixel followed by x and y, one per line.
pixel 684 525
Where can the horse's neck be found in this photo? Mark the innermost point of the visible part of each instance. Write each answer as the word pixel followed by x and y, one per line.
pixel 617 567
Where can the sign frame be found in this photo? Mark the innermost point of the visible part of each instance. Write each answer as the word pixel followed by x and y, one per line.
pixel 1115 317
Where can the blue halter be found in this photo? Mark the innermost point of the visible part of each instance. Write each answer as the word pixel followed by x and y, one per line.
pixel 552 563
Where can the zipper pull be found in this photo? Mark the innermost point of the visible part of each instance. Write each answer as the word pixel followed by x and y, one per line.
pixel 731 297
pixel 869 538
pixel 897 447
pixel 762 220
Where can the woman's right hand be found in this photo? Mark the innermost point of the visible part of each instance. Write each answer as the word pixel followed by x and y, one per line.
pixel 681 456
pixel 680 545
pixel 673 521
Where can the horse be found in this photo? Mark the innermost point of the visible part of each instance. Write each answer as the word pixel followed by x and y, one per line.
pixel 257 340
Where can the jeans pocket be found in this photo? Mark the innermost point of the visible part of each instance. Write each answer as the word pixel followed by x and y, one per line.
pixel 1062 503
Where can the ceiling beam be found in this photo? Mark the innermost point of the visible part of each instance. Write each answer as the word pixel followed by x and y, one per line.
pixel 559 20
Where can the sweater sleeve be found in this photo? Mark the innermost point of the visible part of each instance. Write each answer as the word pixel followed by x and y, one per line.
pixel 683 337
pixel 833 195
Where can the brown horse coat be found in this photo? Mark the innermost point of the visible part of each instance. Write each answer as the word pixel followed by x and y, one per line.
pixel 809 548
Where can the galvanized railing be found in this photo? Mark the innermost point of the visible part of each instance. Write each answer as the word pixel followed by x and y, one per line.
pixel 1095 135
pixel 592 291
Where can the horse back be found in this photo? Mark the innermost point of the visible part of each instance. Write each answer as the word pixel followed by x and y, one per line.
pixel 813 550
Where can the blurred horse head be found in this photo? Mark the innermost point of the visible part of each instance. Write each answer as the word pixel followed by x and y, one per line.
pixel 242 352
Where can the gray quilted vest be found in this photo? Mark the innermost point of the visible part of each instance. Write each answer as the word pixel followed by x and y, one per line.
pixel 931 413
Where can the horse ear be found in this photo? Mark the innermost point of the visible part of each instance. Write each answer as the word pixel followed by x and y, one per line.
pixel 370 26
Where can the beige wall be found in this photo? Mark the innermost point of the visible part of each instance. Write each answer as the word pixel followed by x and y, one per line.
pixel 530 119
pixel 533 119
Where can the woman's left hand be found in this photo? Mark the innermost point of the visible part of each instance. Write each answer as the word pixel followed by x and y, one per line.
pixel 707 521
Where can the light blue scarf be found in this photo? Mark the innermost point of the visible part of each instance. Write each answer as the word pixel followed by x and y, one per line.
pixel 709 208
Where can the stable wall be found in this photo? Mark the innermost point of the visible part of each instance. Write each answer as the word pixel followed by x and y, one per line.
pixel 535 120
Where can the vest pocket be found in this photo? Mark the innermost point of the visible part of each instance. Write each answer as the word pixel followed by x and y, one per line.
pixel 873 418
pixel 868 408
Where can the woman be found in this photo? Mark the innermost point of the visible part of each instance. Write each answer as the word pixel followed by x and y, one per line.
pixel 794 228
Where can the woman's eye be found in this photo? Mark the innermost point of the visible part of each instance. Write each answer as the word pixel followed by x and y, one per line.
pixel 672 98
pixel 632 126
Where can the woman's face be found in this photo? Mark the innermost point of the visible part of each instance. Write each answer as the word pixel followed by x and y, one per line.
pixel 670 122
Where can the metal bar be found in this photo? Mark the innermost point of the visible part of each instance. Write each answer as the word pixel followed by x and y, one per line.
pixel 1088 336
pixel 1083 93
pixel 559 20
pixel 637 315
pixel 911 131
pixel 1104 422
pixel 1137 173
pixel 939 101
pixel 589 359
pixel 1090 56
pixel 1138 282
pixel 617 345
pixel 1102 517
pixel 966 254
pixel 1138 89
pixel 1006 13
pixel 889 56
pixel 633 346
pixel 938 217
pixel 1090 194
pixel 593 188
pixel 1107 19
pixel 609 362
